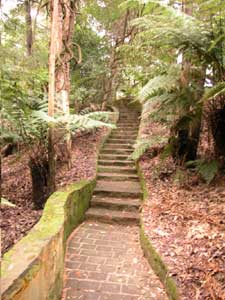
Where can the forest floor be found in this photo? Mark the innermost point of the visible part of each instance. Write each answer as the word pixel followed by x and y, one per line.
pixel 184 219
pixel 16 185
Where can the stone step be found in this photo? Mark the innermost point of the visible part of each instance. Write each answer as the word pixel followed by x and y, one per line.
pixel 128 124
pixel 122 136
pixel 108 150
pixel 112 140
pixel 114 156
pixel 127 204
pixel 118 146
pixel 110 162
pixel 125 121
pixel 118 177
pixel 129 117
pixel 127 128
pixel 112 216
pixel 118 189
pixel 117 170
pixel 127 131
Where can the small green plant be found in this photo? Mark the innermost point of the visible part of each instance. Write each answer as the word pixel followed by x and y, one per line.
pixel 180 177
pixel 207 169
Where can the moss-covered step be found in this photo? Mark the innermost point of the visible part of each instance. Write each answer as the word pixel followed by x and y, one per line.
pixel 112 216
pixel 121 141
pixel 114 156
pixel 132 135
pixel 118 177
pixel 119 189
pixel 122 129
pixel 126 204
pixel 116 146
pixel 116 162
pixel 109 150
pixel 117 169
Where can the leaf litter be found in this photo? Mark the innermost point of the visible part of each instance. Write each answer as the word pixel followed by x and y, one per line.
pixel 16 184
pixel 185 221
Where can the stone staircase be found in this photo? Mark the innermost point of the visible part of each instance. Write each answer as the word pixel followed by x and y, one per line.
pixel 117 194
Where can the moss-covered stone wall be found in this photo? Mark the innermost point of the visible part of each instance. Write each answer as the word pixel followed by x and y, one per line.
pixel 33 268
pixel 152 255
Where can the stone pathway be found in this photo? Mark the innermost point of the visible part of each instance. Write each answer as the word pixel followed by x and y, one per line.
pixel 104 260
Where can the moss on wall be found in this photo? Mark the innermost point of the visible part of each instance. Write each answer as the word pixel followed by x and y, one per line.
pixel 33 268
pixel 64 210
pixel 153 257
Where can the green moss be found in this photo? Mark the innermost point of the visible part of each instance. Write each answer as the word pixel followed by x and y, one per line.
pixel 55 291
pixel 64 210
pixel 152 255
pixel 142 182
pixel 56 215
pixel 158 266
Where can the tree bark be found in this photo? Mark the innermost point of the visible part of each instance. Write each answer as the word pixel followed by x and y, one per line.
pixel 29 32
pixel 51 92
pixel 66 22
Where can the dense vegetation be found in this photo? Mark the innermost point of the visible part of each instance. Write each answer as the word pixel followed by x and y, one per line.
pixel 64 62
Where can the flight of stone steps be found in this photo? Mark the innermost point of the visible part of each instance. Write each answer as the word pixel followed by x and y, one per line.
pixel 117 194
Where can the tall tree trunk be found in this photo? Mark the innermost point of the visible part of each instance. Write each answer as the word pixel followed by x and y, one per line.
pixel 29 32
pixel 51 91
pixel 66 21
pixel 185 145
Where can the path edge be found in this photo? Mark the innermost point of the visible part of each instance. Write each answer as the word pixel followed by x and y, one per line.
pixel 152 255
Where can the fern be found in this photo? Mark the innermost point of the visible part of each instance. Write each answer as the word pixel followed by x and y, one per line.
pixel 143 145
pixel 160 84
pixel 82 123
pixel 207 169
pixel 99 116
pixel 214 92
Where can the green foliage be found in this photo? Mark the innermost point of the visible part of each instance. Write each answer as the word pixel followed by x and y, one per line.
pixel 143 145
pixel 214 92
pixel 207 169
pixel 89 121
pixel 161 84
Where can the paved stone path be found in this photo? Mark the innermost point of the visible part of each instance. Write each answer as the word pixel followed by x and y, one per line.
pixel 104 260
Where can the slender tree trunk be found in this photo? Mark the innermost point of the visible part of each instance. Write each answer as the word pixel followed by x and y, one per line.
pixel 29 32
pixel 186 143
pixel 65 54
pixel 51 92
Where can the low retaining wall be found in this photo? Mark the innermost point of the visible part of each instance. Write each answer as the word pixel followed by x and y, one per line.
pixel 153 257
pixel 33 268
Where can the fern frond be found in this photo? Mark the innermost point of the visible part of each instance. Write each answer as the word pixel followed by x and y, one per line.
pixel 81 123
pixel 207 169
pixel 160 84
pixel 143 145
pixel 214 92
pixel 99 116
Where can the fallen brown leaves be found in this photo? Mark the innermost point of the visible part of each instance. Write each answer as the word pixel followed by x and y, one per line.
pixel 185 221
pixel 16 186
